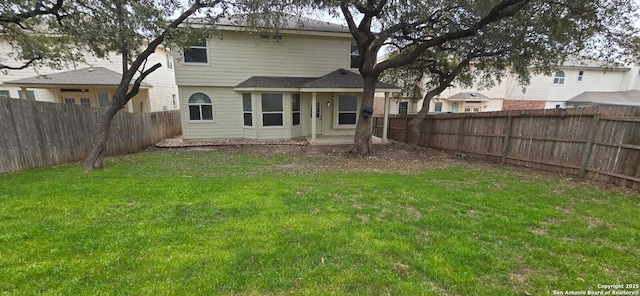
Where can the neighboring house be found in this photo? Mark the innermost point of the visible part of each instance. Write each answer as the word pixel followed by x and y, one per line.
pixel 296 83
pixel 93 83
pixel 615 98
pixel 574 77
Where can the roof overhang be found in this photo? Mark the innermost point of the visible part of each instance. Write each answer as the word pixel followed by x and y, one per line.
pixel 312 90
pixel 465 100
pixel 48 85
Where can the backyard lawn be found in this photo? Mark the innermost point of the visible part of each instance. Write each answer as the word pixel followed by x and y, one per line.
pixel 304 220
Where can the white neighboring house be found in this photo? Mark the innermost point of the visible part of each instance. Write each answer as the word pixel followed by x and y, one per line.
pixel 92 83
pixel 572 79
pixel 299 82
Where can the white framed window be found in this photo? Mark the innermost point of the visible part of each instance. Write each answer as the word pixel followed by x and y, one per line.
pixel 580 75
pixel 31 95
pixel 295 109
pixel 5 94
pixel 85 102
pixel 355 55
pixel 200 107
pixel 467 109
pixel 347 109
pixel 403 108
pixel 103 98
pixel 437 107
pixel 71 101
pixel 169 61
pixel 558 78
pixel 174 101
pixel 272 109
pixel 196 53
pixel 247 109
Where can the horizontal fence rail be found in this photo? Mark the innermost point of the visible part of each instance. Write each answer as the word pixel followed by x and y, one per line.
pixel 37 134
pixel 600 143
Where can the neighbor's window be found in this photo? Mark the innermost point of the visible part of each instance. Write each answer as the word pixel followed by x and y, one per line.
pixel 580 75
pixel 31 95
pixel 103 98
pixel 170 61
pixel 558 78
pixel 355 55
pixel 347 109
pixel 272 110
pixel 5 94
pixel 71 101
pixel 438 107
pixel 197 53
pixel 200 107
pixel 247 109
pixel 295 109
pixel 174 101
pixel 467 109
pixel 85 102
pixel 403 107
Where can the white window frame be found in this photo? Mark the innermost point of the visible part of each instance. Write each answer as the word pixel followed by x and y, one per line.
pixel 71 101
pixel 272 112
pixel 352 54
pixel 580 76
pixel 557 79
pixel 21 95
pixel 338 112
pixel 189 104
pixel 250 111
pixel 5 93
pixel 85 102
pixel 293 111
pixel 206 50
pixel 400 103
pixel 170 61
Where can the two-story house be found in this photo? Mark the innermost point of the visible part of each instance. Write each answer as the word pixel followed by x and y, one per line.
pixel 92 83
pixel 298 82
pixel 573 78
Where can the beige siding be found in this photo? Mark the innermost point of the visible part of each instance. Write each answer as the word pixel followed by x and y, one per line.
pixel 227 110
pixel 240 55
pixel 163 79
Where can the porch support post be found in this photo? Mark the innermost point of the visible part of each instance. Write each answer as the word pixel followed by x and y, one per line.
pixel 314 111
pixel 385 125
pixel 25 95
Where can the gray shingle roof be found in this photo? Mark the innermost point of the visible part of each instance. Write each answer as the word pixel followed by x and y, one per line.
pixel 290 23
pixel 468 96
pixel 87 76
pixel 340 78
pixel 618 98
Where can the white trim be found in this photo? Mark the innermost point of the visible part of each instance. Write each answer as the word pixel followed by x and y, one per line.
pixel 206 49
pixel 337 112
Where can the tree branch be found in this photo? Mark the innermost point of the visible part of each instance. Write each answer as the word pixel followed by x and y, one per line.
pixel 24 66
pixel 136 84
pixel 38 10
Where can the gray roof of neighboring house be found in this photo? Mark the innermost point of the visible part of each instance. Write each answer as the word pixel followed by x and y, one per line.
pixel 468 96
pixel 87 76
pixel 340 78
pixel 618 98
pixel 289 23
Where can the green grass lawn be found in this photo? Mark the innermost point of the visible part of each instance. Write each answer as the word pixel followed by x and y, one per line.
pixel 227 222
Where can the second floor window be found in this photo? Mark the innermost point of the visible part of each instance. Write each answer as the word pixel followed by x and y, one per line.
pixel 558 78
pixel 580 75
pixel 170 61
pixel 197 53
pixel 355 55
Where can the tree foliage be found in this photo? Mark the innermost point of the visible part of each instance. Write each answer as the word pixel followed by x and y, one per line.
pixel 31 28
pixel 526 33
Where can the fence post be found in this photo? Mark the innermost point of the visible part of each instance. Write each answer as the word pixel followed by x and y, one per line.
pixel 507 139
pixel 588 148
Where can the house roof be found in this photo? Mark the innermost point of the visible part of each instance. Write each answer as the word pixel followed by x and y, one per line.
pixel 338 79
pixel 468 96
pixel 289 23
pixel 94 76
pixel 618 98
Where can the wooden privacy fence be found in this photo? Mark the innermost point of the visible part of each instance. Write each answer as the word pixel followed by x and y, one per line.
pixel 37 134
pixel 599 144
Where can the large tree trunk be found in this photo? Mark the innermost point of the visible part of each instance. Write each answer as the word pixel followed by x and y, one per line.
pixel 362 144
pixel 101 135
pixel 413 136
